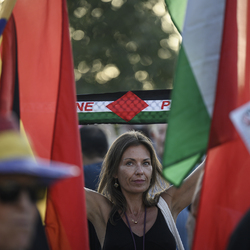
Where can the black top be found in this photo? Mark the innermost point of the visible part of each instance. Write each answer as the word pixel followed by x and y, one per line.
pixel 94 243
pixel 159 237
pixel 40 239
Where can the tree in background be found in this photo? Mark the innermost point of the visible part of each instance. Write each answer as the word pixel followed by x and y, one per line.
pixel 121 45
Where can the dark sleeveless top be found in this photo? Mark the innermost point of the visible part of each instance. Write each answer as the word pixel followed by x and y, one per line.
pixel 118 236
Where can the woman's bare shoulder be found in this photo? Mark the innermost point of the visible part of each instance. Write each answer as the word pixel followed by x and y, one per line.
pixel 167 195
pixel 98 212
pixel 98 206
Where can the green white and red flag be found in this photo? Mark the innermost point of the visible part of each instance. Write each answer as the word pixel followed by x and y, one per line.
pixel 223 199
pixel 194 86
pixel 124 107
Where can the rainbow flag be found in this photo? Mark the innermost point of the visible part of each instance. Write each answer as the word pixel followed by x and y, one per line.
pixel 47 110
pixel 6 8
pixel 7 56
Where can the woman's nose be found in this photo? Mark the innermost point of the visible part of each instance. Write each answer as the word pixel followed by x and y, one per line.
pixel 139 169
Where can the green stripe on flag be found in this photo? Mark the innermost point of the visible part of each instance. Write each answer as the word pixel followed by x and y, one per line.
pixel 110 117
pixel 177 9
pixel 188 125
pixel 176 172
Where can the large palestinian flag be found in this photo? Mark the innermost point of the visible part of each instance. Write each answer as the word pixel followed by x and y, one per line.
pixel 194 86
pixel 214 61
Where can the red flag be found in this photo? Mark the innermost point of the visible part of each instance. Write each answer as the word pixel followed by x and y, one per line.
pixel 223 199
pixel 48 112
pixel 8 71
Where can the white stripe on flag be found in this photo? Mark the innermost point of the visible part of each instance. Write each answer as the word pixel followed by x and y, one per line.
pixel 202 35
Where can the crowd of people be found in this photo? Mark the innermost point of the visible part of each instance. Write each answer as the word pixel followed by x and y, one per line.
pixel 129 203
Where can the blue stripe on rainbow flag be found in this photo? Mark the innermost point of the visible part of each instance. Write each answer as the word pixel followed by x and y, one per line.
pixel 3 23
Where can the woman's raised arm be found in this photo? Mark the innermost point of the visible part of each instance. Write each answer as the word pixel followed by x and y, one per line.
pixel 179 198
pixel 98 211
pixel 97 205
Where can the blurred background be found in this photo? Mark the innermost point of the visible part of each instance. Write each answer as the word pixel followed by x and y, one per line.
pixel 121 45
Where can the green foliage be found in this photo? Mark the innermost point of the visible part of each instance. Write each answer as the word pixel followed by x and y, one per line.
pixel 122 45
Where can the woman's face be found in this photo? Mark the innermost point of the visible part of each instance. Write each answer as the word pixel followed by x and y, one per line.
pixel 135 170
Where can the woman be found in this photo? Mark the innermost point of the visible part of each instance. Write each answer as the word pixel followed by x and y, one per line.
pixel 124 213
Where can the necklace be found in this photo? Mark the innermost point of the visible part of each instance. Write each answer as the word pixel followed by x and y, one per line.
pixel 143 229
pixel 136 221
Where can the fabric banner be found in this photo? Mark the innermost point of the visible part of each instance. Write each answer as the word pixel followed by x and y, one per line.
pixel 226 181
pixel 177 10
pixel 47 110
pixel 8 67
pixel 124 107
pixel 7 56
pixel 194 88
pixel 6 8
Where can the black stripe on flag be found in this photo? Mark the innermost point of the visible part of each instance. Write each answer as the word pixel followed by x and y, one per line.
pixel 144 95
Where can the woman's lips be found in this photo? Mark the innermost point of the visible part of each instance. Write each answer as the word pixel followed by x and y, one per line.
pixel 139 181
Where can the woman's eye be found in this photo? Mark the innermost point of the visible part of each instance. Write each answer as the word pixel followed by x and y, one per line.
pixel 147 163
pixel 129 163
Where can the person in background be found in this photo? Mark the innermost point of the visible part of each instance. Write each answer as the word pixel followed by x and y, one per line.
pixel 23 181
pixel 143 128
pixel 158 134
pixel 94 145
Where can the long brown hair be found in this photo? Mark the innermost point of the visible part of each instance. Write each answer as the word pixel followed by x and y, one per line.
pixel 110 167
